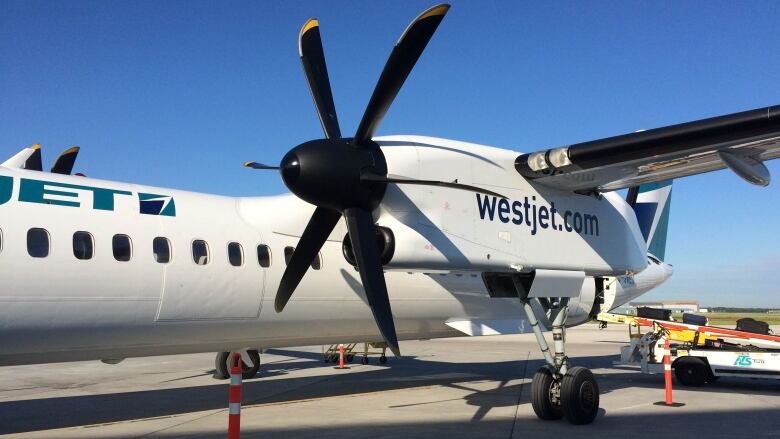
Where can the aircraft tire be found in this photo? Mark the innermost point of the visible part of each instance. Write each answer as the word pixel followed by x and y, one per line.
pixel 541 400
pixel 579 396
pixel 222 365
pixel 221 371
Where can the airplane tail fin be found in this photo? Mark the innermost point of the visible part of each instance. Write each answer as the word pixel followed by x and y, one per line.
pixel 651 206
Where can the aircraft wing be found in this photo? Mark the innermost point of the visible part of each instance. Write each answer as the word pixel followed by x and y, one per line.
pixel 739 141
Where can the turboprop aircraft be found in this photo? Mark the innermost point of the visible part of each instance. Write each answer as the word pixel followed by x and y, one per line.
pixel 460 238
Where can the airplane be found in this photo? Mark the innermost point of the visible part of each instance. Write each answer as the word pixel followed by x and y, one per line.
pixel 461 239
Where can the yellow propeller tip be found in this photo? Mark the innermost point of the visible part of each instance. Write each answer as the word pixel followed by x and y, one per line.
pixel 436 10
pixel 36 146
pixel 312 23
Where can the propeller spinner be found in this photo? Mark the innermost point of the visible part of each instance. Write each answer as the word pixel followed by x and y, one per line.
pixel 348 176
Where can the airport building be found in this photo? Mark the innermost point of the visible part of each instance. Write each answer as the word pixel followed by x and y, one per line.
pixel 674 305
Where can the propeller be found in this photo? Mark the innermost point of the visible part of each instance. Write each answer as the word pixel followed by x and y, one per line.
pixel 63 165
pixel 34 162
pixel 256 165
pixel 65 162
pixel 348 176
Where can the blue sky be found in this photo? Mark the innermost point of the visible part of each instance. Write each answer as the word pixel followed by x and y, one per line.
pixel 179 94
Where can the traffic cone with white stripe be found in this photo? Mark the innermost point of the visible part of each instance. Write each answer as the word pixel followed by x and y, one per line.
pixel 234 411
pixel 668 376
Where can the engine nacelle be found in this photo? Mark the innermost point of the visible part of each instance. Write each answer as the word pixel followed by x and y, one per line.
pixel 385 240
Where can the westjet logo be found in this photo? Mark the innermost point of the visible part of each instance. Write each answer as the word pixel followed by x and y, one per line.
pixel 536 217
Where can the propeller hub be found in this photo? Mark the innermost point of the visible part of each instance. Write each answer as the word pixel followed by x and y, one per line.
pixel 327 172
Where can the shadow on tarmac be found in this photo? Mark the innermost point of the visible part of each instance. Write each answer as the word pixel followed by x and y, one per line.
pixel 406 373
pixel 714 424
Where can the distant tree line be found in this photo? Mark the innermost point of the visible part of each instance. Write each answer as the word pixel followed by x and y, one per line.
pixel 728 309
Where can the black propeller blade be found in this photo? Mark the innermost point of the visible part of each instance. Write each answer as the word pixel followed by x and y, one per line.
pixel 349 176
pixel 63 165
pixel 313 61
pixel 320 225
pixel 65 162
pixel 34 162
pixel 363 237
pixel 255 165
pixel 402 59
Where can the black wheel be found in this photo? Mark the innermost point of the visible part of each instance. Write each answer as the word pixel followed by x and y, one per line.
pixel 349 358
pixel 364 360
pixel 221 369
pixel 247 371
pixel 542 396
pixel 579 396
pixel 250 372
pixel 691 371
pixel 383 359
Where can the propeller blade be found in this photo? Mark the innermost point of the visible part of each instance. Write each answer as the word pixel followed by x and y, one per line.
pixel 34 162
pixel 322 222
pixel 256 165
pixel 313 61
pixel 65 162
pixel 402 59
pixel 397 179
pixel 363 237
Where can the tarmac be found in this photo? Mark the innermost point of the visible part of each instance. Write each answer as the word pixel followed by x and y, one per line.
pixel 456 388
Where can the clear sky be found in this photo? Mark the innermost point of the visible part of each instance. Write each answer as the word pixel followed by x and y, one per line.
pixel 181 93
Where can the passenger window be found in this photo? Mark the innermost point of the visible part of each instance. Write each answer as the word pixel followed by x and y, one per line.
pixel 83 245
pixel 200 252
pixel 162 250
pixel 264 255
pixel 288 252
pixel 235 254
pixel 123 247
pixel 38 243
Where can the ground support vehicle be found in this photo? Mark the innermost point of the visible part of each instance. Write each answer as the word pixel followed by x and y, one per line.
pixel 699 354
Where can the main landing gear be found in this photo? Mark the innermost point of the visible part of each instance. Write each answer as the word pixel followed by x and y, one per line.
pixel 222 364
pixel 558 390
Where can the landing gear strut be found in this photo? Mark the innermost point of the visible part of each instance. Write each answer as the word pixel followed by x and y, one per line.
pixel 558 390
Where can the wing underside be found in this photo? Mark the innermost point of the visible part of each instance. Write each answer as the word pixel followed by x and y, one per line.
pixel 740 141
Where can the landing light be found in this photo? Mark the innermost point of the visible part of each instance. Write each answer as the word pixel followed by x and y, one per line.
pixel 537 162
pixel 559 157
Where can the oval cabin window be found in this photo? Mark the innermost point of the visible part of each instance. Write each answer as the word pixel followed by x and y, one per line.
pixel 162 250
pixel 235 254
pixel 83 245
pixel 200 252
pixel 38 243
pixel 122 247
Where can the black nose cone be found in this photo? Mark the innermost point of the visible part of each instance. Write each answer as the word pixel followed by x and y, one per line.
pixel 291 169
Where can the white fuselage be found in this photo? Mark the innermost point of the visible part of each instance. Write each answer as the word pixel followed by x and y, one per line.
pixel 61 308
